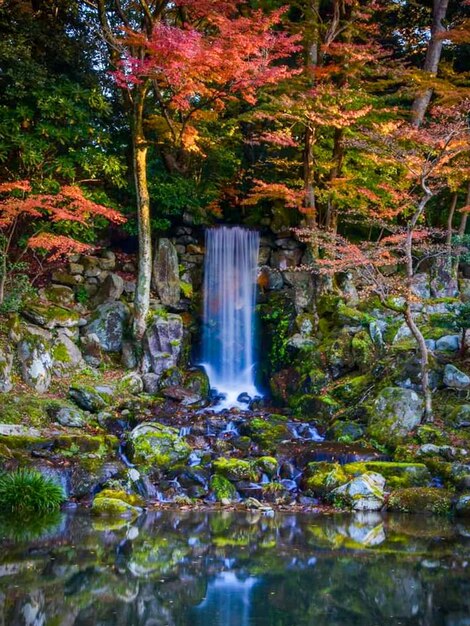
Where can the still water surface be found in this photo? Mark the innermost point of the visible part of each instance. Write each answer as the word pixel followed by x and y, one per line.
pixel 235 569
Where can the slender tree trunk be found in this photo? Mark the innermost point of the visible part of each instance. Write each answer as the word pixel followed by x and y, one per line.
pixel 431 63
pixel 463 221
pixel 450 220
pixel 408 313
pixel 144 277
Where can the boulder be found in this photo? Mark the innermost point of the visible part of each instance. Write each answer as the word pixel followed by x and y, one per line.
pixel 448 343
pixel 162 343
pixel 462 506
pixel 128 357
pixel 92 399
pixel 270 278
pixel 6 367
pixel 165 273
pixel 58 294
pixel 108 324
pixel 304 288
pixel 35 357
pixel 182 395
pixel 423 500
pixel 151 383
pixel 70 417
pixel 91 349
pixel 51 315
pixel 157 446
pixel 455 378
pixel 131 383
pixel 66 354
pixel 459 417
pixel 395 413
pixel 363 493
pixel 111 289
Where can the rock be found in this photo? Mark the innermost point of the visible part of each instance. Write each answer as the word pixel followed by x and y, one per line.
pixel 430 450
pixel 454 378
pixel 184 396
pixel 420 285
pixel 459 417
pixel 270 279
pixel 348 289
pixel 402 333
pixel 464 286
pixel 6 367
pixel 224 491
pixel 284 259
pixel 151 383
pixel 65 278
pixel 448 343
pixel 114 507
pixel 345 431
pixel 162 343
pixel 364 493
pixel 58 294
pixel 196 381
pixel 111 289
pixel 70 416
pixel 89 398
pixel 304 289
pixel 51 316
pixel 76 268
pixel 462 506
pixel 131 383
pixel 236 469
pixel 165 272
pixel 396 475
pixel 109 323
pixel 300 342
pixel 128 357
pixel 66 354
pixel 376 329
pixel 420 500
pixel 91 348
pixel 395 413
pixel 155 446
pixel 35 356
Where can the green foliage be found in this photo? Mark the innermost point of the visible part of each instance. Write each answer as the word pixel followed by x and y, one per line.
pixel 28 491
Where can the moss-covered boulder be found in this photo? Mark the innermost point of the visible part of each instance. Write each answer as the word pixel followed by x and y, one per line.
pixel 397 475
pixel 267 433
pixel 363 350
pixel 131 383
pixel 155 446
pixel 223 489
pixel 322 477
pixel 51 315
pixel 425 500
pixel 236 469
pixel 114 504
pixel 345 431
pixel 394 414
pixel 35 356
pixel 88 398
pixel 458 417
pixel 66 355
pixel 109 324
pixel 197 382
pixel 268 465
pixel 363 493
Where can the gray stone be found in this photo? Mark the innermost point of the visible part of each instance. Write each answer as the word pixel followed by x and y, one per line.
pixel 131 383
pixel 304 289
pixel 396 412
pixel 300 342
pixel 35 357
pixel 151 383
pixel 108 264
pixel 89 398
pixel 430 449
pixel 58 294
pixel 18 430
pixel 448 343
pixel 51 315
pixel 6 367
pixel 454 378
pixel 64 278
pixel 91 348
pixel 111 289
pixel 270 279
pixel 184 396
pixel 376 333
pixel 420 285
pixel 108 323
pixel 70 417
pixel 363 493
pixel 402 333
pixel 285 259
pixel 348 289
pixel 162 343
pixel 165 273
pixel 128 357
pixel 66 354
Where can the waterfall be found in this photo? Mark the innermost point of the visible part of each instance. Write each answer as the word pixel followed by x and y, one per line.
pixel 230 271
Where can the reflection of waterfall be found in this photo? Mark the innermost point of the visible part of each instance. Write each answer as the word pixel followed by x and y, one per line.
pixel 227 601
pixel 229 304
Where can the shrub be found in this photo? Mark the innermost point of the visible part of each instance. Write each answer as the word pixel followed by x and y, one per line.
pixel 28 491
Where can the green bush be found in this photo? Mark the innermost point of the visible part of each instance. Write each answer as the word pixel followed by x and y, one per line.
pixel 27 491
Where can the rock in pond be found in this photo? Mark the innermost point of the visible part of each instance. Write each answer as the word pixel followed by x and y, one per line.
pixel 157 446
pixel 364 493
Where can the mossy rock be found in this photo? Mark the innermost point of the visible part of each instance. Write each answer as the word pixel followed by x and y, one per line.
pixel 197 382
pixel 423 500
pixel 363 351
pixel 397 475
pixel 223 489
pixel 267 433
pixel 50 315
pixel 322 477
pixel 351 388
pixel 157 446
pixel 268 465
pixel 236 469
pixel 395 413
pixel 462 507
pixel 120 494
pixel 346 315
pixel 431 434
pixel 345 432
pixel 114 507
pixel 89 398
pixel 458 417
pixel 320 408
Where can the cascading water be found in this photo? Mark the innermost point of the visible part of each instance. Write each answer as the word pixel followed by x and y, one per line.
pixel 229 312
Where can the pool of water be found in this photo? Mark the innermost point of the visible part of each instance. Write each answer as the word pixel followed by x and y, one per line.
pixel 235 569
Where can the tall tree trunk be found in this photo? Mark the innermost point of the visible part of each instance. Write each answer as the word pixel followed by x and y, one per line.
pixel 463 221
pixel 144 277
pixel 431 62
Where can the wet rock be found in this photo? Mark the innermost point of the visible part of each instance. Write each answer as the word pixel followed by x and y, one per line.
pixel 111 289
pixel 364 493
pixel 455 378
pixel 157 446
pixel 111 504
pixel 162 343
pixel 108 324
pixel 165 273
pixel 185 397
pixel 35 357
pixel 395 413
pixel 6 367
pixel 322 477
pixel 236 469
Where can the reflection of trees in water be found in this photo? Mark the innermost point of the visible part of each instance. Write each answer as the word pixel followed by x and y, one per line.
pixel 240 569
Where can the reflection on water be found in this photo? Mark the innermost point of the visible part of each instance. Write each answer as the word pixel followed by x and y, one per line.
pixel 236 569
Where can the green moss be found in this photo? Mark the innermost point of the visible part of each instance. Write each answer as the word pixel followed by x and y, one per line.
pixel 60 353
pixel 236 469
pixel 350 388
pixel 363 349
pixel 159 447
pixel 223 488
pixel 267 464
pixel 322 477
pixel 397 475
pixel 113 507
pixel 431 434
pixel 130 498
pixel 267 434
pixel 351 316
pixel 321 408
pixel 423 500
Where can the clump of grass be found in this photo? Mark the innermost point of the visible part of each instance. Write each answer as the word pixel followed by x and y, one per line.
pixel 28 491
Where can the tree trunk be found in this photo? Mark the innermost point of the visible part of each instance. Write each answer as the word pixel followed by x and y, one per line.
pixel 450 219
pixel 463 221
pixel 431 63
pixel 144 277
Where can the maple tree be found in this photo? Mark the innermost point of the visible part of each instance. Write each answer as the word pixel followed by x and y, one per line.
pixel 28 214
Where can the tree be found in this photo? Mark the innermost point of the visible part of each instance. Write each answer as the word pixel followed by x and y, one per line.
pixel 177 64
pixel 31 220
